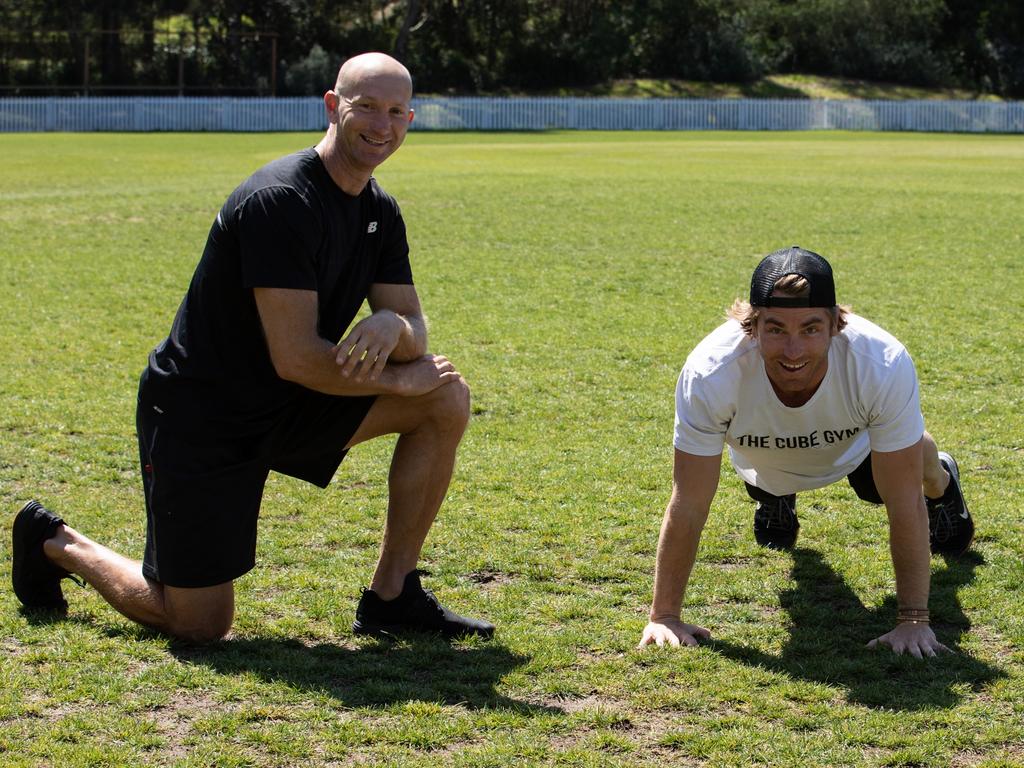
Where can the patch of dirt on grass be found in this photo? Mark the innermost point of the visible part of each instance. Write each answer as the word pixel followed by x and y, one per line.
pixel 966 759
pixel 11 646
pixel 731 563
pixel 993 641
pixel 490 578
pixel 174 719
pixel 570 706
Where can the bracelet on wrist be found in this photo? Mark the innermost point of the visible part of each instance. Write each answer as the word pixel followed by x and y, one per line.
pixel 913 616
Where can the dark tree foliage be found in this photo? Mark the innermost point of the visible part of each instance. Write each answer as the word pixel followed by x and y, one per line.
pixel 871 39
pixel 501 46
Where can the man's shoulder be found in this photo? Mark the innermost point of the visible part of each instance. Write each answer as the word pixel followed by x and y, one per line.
pixel 867 342
pixel 720 350
pixel 296 172
pixel 288 186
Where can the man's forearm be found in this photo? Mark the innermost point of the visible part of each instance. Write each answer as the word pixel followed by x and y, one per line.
pixel 911 557
pixel 317 369
pixel 677 552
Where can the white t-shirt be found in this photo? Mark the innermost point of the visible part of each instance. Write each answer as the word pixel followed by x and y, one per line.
pixel 867 401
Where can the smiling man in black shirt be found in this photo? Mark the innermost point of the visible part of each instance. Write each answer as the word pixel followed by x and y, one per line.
pixel 250 380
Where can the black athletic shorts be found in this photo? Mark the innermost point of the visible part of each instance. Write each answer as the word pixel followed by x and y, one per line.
pixel 203 484
pixel 861 480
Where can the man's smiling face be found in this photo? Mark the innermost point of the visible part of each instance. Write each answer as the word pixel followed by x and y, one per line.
pixel 794 344
pixel 373 118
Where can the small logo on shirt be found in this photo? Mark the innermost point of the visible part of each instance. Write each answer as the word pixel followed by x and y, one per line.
pixel 371 228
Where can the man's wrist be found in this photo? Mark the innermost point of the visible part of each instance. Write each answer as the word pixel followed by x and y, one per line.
pixel 913 616
pixel 660 617
pixel 390 380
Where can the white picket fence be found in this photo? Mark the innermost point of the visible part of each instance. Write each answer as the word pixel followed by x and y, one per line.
pixel 515 114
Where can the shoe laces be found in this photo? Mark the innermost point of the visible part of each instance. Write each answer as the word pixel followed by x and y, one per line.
pixel 942 520
pixel 430 599
pixel 780 514
pixel 427 596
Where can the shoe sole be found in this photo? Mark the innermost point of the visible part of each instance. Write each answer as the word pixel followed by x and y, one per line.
pixel 19 534
pixel 394 631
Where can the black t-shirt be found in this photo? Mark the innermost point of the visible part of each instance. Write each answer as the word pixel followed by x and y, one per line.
pixel 286 226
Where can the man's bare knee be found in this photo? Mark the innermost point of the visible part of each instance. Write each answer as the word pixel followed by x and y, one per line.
pixel 201 634
pixel 202 615
pixel 449 406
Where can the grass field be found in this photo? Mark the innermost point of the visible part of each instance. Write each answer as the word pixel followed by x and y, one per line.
pixel 568 275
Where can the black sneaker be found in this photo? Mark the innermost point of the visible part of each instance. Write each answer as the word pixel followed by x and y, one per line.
pixel 36 578
pixel 775 524
pixel 414 610
pixel 950 527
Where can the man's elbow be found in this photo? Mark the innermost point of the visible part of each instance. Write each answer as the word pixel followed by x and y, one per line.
pixel 290 367
pixel 409 352
pixel 412 347
pixel 686 519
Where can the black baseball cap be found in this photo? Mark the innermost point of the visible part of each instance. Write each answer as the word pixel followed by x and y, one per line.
pixel 793 261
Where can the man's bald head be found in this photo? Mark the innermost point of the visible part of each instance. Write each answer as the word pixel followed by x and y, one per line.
pixel 355 72
pixel 369 113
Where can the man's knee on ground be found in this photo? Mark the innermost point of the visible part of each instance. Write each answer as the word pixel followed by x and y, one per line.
pixel 209 630
pixel 200 615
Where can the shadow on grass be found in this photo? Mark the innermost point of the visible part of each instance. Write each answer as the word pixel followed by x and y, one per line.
pixel 376 674
pixel 830 628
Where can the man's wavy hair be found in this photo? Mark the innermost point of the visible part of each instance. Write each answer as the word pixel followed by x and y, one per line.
pixel 788 285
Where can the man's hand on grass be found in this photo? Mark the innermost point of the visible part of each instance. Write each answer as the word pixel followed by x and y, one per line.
pixel 672 632
pixel 916 639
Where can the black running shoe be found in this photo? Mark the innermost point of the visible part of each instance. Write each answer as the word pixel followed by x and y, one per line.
pixel 950 527
pixel 414 610
pixel 775 524
pixel 36 578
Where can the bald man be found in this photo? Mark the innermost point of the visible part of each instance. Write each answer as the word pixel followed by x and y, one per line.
pixel 253 378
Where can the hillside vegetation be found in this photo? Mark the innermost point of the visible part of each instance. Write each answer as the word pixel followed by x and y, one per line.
pixel 293 47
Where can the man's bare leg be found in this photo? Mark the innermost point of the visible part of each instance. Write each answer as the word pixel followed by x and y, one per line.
pixel 430 428
pixel 935 477
pixel 200 615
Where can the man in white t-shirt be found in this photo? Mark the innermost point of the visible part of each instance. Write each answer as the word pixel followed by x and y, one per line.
pixel 805 393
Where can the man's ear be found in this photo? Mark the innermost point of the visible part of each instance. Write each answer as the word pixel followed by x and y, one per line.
pixel 331 101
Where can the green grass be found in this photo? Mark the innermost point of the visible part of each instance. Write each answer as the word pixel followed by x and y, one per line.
pixel 568 275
